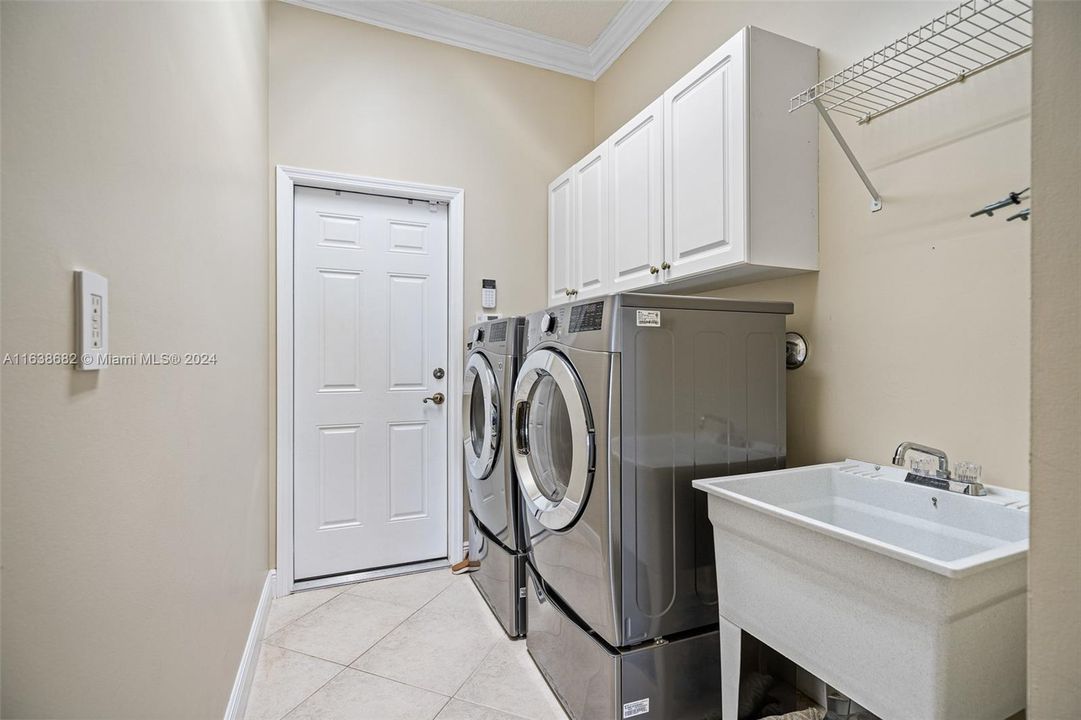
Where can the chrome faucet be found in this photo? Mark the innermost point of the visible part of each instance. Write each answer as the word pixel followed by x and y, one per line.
pixel 942 480
pixel 904 448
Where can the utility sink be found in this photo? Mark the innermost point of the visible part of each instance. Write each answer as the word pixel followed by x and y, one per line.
pixel 909 599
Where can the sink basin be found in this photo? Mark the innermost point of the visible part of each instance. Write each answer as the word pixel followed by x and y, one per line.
pixel 910 600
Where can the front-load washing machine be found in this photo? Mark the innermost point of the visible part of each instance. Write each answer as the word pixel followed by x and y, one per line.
pixel 496 517
pixel 619 404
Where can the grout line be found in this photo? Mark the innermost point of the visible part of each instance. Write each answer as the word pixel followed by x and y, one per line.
pixel 403 682
pixel 300 652
pixel 475 670
pixel 442 708
pixel 491 707
pixel 307 613
pixel 404 621
pixel 313 692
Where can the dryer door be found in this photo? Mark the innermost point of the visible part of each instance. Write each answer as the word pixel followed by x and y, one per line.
pixel 482 419
pixel 554 449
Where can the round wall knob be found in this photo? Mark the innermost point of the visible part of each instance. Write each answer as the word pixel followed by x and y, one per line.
pixel 665 265
pixel 795 350
pixel 653 269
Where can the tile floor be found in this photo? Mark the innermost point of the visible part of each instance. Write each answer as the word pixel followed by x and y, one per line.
pixel 413 647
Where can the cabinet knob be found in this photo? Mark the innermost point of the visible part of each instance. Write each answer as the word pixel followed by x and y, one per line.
pixel 653 269
pixel 665 265
pixel 573 293
pixel 567 292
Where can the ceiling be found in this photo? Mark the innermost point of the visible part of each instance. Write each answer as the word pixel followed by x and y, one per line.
pixel 575 21
pixel 576 37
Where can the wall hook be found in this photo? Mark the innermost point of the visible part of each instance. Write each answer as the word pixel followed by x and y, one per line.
pixel 1013 198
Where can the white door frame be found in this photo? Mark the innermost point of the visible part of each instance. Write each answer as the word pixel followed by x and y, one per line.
pixel 287 178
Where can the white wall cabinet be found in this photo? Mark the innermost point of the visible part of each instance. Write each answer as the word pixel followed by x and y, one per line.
pixel 578 217
pixel 591 225
pixel 713 184
pixel 636 200
pixel 704 156
pixel 560 238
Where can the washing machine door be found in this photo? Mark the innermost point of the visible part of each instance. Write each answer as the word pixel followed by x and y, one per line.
pixel 554 449
pixel 482 418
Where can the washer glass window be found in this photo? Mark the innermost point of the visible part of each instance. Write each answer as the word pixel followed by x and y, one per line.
pixel 482 417
pixel 478 433
pixel 553 439
pixel 553 445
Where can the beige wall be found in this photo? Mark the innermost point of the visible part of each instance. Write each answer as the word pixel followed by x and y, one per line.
pixel 918 322
pixel 357 99
pixel 354 98
pixel 134 499
pixel 1055 559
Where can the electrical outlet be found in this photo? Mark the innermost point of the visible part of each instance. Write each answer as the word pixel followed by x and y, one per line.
pixel 95 321
pixel 92 320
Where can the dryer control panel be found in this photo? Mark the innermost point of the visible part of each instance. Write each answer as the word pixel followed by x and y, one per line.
pixel 587 317
pixel 585 324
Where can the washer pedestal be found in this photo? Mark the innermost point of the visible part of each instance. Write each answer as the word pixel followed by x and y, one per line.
pixel 674 679
pixel 500 579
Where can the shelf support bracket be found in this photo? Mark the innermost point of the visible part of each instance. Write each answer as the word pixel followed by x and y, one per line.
pixel 876 199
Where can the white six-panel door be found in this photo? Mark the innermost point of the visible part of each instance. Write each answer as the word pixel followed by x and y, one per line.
pixel 636 181
pixel 560 238
pixel 590 244
pixel 704 163
pixel 370 319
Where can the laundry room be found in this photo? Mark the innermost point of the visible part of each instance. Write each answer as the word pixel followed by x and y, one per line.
pixel 540 359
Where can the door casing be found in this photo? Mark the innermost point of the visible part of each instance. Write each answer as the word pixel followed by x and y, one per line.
pixel 286 179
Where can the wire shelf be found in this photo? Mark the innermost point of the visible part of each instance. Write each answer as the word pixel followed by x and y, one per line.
pixel 975 36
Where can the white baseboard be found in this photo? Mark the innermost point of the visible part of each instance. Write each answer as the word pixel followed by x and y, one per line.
pixel 238 698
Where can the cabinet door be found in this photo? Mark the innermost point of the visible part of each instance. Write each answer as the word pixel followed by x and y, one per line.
pixel 704 163
pixel 560 238
pixel 591 225
pixel 636 176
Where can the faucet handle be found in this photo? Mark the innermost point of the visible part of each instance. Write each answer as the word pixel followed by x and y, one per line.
pixel 924 466
pixel 968 472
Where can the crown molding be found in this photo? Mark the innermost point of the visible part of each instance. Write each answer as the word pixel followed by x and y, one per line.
pixel 434 22
pixel 624 29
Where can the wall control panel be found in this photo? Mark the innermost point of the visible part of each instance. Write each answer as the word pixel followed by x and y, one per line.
pixel 91 320
pixel 487 294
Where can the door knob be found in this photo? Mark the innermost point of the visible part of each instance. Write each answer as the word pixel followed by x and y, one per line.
pixel 665 265
pixel 438 398
pixel 653 269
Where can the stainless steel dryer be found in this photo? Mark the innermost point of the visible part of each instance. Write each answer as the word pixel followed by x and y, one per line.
pixel 619 404
pixel 495 507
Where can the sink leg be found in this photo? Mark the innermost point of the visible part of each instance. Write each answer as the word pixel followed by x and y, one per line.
pixel 731 642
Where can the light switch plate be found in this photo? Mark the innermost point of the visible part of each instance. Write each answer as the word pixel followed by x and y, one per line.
pixel 91 320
